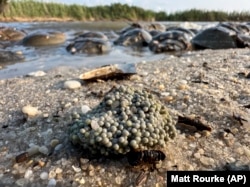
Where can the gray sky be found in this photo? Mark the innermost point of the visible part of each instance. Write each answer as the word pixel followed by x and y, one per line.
pixel 171 5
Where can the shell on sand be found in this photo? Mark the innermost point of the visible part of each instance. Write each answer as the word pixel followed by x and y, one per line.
pixel 109 71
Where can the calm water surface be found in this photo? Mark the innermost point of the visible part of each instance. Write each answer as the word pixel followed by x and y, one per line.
pixel 45 58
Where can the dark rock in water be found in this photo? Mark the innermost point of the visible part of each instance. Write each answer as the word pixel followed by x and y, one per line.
pixel 110 71
pixel 11 34
pixel 44 39
pixel 135 37
pixel 89 46
pixel 9 56
pixel 215 38
pixel 172 40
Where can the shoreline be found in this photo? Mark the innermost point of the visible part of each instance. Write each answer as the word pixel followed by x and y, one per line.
pixel 212 85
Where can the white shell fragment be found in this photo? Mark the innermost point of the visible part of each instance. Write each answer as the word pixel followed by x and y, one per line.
pixel 30 110
pixel 109 71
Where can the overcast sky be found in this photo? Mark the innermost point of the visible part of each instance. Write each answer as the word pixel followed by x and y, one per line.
pixel 171 5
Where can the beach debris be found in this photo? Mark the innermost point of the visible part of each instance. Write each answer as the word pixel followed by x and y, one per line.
pixel 193 123
pixel 141 178
pixel 248 76
pixel 146 157
pixel 247 106
pixel 110 71
pixel 22 157
pixel 127 119
pixel 241 120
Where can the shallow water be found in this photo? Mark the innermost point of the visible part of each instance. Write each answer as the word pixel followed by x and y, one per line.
pixel 45 58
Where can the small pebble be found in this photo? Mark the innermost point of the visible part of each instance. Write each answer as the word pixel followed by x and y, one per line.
pixel 52 174
pixel 72 84
pixel 76 169
pixel 33 150
pixel 28 174
pixel 85 109
pixel 207 161
pixel 21 182
pixel 52 182
pixel 54 142
pixel 118 180
pixel 44 150
pixel 82 181
pixel 59 170
pixel 30 110
pixel 58 147
pixel 44 175
pixel 84 160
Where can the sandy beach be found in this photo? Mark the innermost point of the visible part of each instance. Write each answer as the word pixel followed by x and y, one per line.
pixel 212 86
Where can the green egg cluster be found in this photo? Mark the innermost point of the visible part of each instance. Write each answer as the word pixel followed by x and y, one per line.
pixel 126 119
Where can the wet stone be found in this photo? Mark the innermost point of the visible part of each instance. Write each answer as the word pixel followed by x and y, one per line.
pixel 44 175
pixel 72 84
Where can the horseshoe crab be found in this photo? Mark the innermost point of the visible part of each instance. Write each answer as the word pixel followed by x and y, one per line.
pixel 44 39
pixel 92 34
pixel 217 37
pixel 11 34
pixel 132 26
pixel 136 37
pixel 173 40
pixel 189 32
pixel 89 46
pixel 10 56
pixel 155 27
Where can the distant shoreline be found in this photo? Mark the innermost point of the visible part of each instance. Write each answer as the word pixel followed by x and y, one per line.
pixel 39 19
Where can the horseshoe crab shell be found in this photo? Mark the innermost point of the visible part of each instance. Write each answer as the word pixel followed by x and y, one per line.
pixel 109 71
pixel 135 37
pixel 172 40
pixel 89 46
pixel 217 37
pixel 10 56
pixel 44 39
pixel 92 34
pixel 11 34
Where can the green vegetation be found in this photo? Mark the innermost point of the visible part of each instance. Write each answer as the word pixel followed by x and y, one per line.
pixel 38 9
pixel 3 6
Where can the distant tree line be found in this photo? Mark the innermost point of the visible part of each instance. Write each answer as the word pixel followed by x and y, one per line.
pixel 116 11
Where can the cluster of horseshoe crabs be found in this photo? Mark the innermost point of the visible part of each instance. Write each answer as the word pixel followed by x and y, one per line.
pixel 127 119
